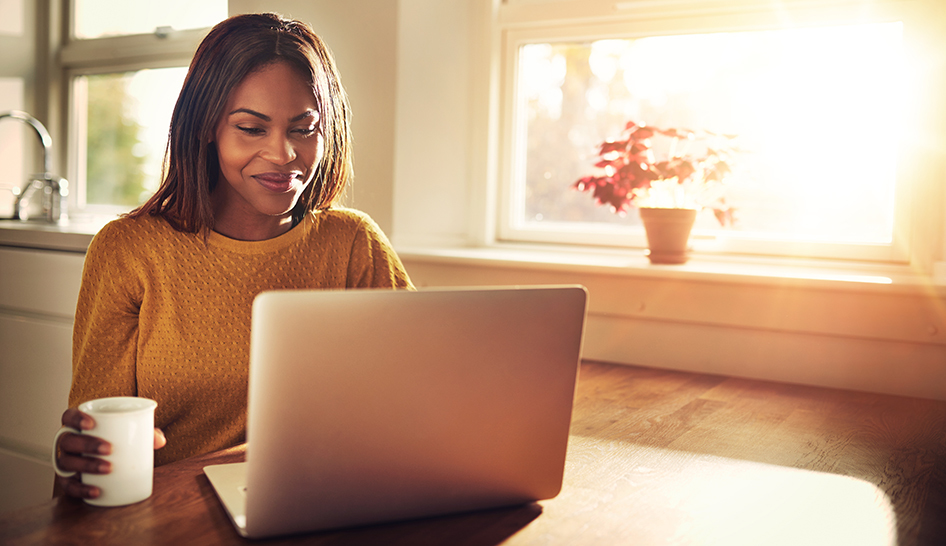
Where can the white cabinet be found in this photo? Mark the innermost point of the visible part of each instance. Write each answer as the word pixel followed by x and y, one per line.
pixel 38 291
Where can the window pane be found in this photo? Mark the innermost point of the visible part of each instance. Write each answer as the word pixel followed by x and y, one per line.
pixel 98 18
pixel 817 110
pixel 126 127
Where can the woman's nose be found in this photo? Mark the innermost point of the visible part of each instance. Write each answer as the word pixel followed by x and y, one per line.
pixel 279 150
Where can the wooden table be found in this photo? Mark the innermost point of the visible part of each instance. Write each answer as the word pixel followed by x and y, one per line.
pixel 655 457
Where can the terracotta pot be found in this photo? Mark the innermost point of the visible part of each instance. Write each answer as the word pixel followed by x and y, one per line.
pixel 668 232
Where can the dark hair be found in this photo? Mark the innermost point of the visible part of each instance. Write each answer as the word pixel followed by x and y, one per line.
pixel 235 48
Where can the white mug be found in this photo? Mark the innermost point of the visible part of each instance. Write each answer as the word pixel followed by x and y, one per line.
pixel 127 423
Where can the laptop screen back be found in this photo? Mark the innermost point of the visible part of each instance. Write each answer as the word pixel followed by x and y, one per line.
pixel 377 405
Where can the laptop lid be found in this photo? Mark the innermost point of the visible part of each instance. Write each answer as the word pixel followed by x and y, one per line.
pixel 368 406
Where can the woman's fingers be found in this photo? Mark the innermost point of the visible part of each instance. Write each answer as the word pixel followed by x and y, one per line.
pixel 159 439
pixel 74 418
pixel 76 453
pixel 78 444
pixel 86 465
pixel 75 488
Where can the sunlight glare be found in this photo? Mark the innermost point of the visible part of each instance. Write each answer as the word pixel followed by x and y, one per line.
pixel 682 497
pixel 819 113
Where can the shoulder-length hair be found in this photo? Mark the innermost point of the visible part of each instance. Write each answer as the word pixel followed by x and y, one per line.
pixel 232 50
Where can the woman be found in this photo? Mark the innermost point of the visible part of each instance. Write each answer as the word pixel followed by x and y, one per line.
pixel 259 150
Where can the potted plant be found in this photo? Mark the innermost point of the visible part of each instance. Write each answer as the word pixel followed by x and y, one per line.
pixel 668 193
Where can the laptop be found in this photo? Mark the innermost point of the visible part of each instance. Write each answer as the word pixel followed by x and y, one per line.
pixel 372 406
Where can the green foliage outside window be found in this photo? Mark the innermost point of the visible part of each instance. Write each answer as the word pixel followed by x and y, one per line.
pixel 114 173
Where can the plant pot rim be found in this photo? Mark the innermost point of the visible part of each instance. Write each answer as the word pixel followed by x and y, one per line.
pixel 659 214
pixel 668 208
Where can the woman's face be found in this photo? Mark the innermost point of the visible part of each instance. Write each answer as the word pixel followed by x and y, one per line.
pixel 269 144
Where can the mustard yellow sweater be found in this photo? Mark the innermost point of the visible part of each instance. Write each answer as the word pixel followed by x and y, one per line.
pixel 166 315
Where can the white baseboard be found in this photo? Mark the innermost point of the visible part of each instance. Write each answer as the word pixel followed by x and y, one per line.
pixel 899 368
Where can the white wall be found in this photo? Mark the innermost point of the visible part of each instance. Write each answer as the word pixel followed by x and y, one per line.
pixel 434 150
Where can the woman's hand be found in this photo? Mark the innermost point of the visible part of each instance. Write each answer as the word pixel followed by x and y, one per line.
pixel 77 453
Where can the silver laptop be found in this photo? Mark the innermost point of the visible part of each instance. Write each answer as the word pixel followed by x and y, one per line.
pixel 369 406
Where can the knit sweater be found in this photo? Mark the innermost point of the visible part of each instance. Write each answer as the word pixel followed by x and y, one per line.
pixel 166 315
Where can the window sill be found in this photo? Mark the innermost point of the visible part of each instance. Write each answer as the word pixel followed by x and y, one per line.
pixel 72 235
pixel 872 327
pixel 771 271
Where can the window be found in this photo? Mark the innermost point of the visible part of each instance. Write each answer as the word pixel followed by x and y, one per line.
pixel 100 18
pixel 819 97
pixel 124 63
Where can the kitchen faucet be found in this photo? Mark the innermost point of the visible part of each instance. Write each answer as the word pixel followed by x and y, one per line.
pixel 54 188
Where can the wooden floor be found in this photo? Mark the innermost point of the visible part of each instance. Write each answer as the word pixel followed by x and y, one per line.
pixel 895 444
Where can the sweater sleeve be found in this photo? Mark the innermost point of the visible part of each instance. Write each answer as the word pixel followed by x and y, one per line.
pixel 373 262
pixel 105 333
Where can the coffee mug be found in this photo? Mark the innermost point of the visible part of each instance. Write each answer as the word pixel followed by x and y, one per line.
pixel 127 423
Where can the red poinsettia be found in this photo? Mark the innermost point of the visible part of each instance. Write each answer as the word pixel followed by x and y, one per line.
pixel 631 176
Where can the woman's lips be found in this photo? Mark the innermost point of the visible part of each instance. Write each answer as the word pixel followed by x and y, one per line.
pixel 277 182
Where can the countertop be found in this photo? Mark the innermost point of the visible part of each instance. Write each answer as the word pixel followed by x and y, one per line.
pixel 72 235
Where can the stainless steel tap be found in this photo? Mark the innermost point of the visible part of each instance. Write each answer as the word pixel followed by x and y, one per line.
pixel 52 188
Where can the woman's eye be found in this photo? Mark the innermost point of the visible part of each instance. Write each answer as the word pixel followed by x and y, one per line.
pixel 250 130
pixel 306 131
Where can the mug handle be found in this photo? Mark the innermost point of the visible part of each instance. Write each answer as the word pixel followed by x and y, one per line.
pixel 61 472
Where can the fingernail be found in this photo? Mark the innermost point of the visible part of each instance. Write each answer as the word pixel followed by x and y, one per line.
pixel 86 423
pixel 104 467
pixel 93 493
pixel 104 449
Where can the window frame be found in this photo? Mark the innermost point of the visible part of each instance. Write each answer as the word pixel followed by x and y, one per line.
pixel 519 22
pixel 110 54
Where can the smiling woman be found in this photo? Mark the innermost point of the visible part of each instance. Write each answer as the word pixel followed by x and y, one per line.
pixel 268 153
pixel 250 101
pixel 258 153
